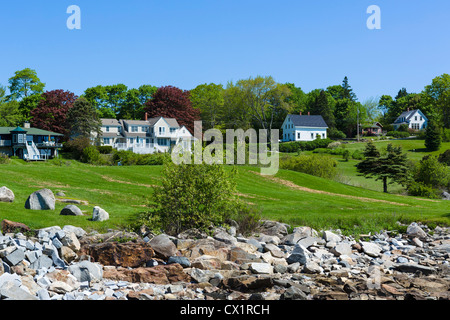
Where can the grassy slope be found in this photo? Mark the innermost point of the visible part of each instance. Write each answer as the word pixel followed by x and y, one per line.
pixel 123 191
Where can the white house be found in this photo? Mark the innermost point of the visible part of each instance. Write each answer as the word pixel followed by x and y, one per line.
pixel 415 120
pixel 145 136
pixel 298 127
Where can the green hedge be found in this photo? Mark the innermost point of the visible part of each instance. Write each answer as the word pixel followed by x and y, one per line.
pixel 398 134
pixel 295 146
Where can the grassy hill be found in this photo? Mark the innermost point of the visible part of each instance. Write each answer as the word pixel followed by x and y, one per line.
pixel 291 197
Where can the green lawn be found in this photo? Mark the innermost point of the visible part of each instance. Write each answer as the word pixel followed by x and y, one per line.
pixel 124 192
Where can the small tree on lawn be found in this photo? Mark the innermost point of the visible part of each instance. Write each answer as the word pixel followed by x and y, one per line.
pixel 432 137
pixel 391 166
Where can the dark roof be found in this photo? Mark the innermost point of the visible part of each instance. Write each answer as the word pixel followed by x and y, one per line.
pixel 29 131
pixel 18 129
pixel 408 115
pixel 313 121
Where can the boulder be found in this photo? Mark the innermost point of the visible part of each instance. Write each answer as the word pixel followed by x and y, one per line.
pixel 261 268
pixel 43 199
pixel 128 254
pixel 12 227
pixel 99 214
pixel 414 231
pixel 86 271
pixel 161 274
pixel 371 249
pixel 6 195
pixel 71 210
pixel 300 254
pixel 163 246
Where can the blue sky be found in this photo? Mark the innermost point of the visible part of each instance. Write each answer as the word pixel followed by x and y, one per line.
pixel 312 44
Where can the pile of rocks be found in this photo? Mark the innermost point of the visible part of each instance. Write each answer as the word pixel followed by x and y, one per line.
pixel 273 264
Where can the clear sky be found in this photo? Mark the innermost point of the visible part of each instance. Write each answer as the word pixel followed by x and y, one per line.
pixel 184 43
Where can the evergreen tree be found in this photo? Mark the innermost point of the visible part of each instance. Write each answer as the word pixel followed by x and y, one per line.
pixel 82 119
pixel 391 166
pixel 321 106
pixel 432 137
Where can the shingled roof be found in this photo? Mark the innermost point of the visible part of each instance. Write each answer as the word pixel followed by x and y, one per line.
pixel 312 121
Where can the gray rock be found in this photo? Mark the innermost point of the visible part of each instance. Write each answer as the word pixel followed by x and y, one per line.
pixel 342 249
pixel 261 268
pixel 414 267
pixel 11 291
pixel 293 293
pixel 224 236
pixel 414 230
pixel 183 261
pixel 99 214
pixel 71 210
pixel 311 241
pixel 371 249
pixel 79 232
pixel 300 254
pixel 312 267
pixel 274 250
pixel 43 199
pixel 163 246
pixel 330 236
pixel 15 257
pixel 6 195
pixel 86 271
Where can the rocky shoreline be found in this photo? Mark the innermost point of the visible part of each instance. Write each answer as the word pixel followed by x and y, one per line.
pixel 273 264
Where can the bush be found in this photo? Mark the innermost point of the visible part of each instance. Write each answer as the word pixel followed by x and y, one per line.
pixel 195 196
pixel 445 157
pixel 445 135
pixel 295 146
pixel 334 133
pixel 4 159
pixel 398 134
pixel 90 155
pixel 317 165
pixel 421 190
pixel 431 172
pixel 248 219
pixel 76 147
pixel 105 149
pixel 357 155
pixel 129 158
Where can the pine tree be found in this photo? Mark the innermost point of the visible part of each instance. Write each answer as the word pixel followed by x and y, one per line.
pixel 391 166
pixel 432 137
pixel 82 119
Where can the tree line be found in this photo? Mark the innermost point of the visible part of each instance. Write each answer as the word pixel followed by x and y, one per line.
pixel 256 102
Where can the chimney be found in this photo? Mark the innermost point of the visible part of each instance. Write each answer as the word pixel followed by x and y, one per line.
pixel 145 116
pixel 308 113
pixel 26 125
pixel 300 113
pixel 408 109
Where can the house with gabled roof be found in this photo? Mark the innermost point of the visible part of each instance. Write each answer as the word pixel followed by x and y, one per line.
pixel 414 119
pixel 31 144
pixel 298 127
pixel 146 136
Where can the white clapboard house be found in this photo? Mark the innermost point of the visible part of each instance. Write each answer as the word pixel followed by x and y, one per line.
pixel 298 127
pixel 145 136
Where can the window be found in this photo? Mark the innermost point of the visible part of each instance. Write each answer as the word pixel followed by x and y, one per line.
pixel 162 130
pixel 172 130
pixel 323 135
pixel 415 118
pixel 107 128
pixel 162 142
pixel 131 140
pixel 106 140
pixel 298 135
pixel 421 118
pixel 144 129
pixel 134 129
pixel 312 135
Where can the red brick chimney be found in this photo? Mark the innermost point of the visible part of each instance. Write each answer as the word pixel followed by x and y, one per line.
pixel 145 116
pixel 300 113
pixel 308 113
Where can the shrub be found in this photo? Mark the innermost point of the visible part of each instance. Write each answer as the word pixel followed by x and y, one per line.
pixel 445 157
pixel 76 147
pixel 357 155
pixel 105 149
pixel 195 196
pixel 398 134
pixel 432 137
pixel 421 190
pixel 317 165
pixel 445 135
pixel 295 146
pixel 403 128
pixel 346 155
pixel 90 155
pixel 334 133
pixel 431 172
pixel 248 219
pixel 4 159
pixel 129 158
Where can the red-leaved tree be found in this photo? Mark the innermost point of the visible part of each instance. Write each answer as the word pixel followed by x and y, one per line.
pixel 172 102
pixel 50 113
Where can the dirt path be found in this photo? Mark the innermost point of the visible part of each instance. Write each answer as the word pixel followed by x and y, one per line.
pixel 292 185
